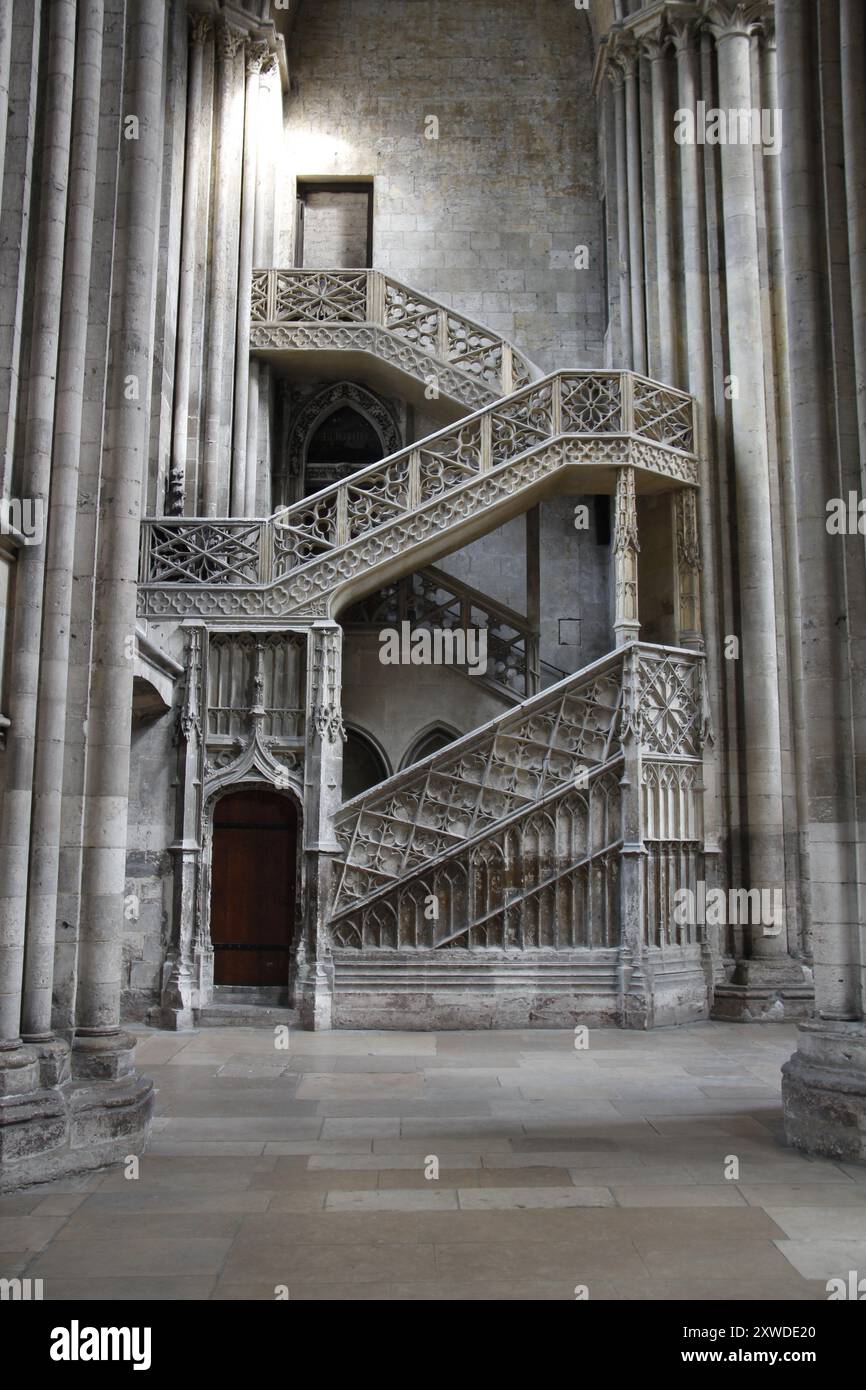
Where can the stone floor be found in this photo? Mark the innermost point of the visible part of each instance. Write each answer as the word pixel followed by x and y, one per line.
pixel 558 1168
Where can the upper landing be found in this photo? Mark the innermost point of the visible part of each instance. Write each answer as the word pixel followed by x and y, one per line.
pixel 365 320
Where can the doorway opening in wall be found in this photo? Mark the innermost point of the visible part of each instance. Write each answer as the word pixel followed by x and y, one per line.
pixel 344 442
pixel 253 886
pixel 334 228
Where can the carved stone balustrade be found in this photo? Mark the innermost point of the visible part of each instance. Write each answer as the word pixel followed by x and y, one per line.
pixel 572 430
pixel 366 311
pixel 541 853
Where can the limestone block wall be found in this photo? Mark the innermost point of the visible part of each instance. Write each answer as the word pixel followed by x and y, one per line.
pixel 576 595
pixel 487 216
pixel 395 704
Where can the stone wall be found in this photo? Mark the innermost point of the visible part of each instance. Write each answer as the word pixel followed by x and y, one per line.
pixel 485 218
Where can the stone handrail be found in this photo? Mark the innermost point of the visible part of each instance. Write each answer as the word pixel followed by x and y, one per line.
pixel 508 763
pixel 540 785
pixel 472 903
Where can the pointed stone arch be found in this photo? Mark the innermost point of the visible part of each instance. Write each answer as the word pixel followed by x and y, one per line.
pixel 326 402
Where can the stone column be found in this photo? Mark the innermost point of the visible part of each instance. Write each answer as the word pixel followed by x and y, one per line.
pixel 259 405
pixel 220 316
pixel 313 974
pixel 178 995
pixel 615 76
pixel 798 923
pixel 688 566
pixel 698 380
pixel 853 46
pixel 533 599
pixel 100 1046
pixel 15 206
pixel 629 62
pixel 769 979
pixel 45 832
pixel 634 993
pixel 35 482
pixel 200 28
pixel 243 468
pixel 655 49
pixel 824 1083
pixel 5 72
pixel 626 624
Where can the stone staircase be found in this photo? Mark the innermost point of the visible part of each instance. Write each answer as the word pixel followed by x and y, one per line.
pixel 547 745
pixel 536 858
pixel 351 312
pixel 571 430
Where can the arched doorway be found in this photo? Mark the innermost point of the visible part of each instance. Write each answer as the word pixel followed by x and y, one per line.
pixel 432 740
pixel 363 764
pixel 330 434
pixel 343 442
pixel 253 884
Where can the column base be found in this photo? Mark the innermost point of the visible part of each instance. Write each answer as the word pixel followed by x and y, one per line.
pixel 100 1114
pixel 176 1009
pixel 313 995
pixel 765 991
pixel 824 1091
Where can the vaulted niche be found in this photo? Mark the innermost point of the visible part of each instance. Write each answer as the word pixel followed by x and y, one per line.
pixel 343 442
pixel 363 764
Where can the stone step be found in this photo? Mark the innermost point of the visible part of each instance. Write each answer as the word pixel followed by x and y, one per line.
pixel 245 1015
pixel 251 994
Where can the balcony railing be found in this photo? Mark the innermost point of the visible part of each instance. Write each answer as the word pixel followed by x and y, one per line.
pixel 326 300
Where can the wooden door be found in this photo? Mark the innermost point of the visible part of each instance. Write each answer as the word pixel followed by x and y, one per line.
pixel 253 888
